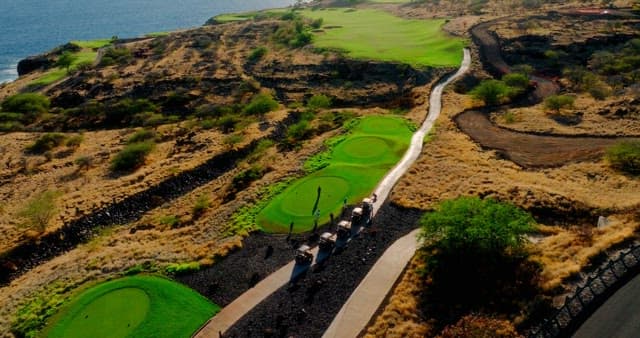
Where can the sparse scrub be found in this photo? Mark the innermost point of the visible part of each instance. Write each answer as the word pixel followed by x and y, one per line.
pixel 480 326
pixel 242 180
pixel 202 204
pixel 32 317
pixel 625 156
pixel 30 105
pixel 74 141
pixel 39 211
pixel 132 156
pixel 259 150
pixel 83 162
pixel 113 55
pixel 232 140
pixel 171 221
pixel 46 142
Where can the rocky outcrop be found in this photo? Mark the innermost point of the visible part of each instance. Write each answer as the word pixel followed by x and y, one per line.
pixel 33 63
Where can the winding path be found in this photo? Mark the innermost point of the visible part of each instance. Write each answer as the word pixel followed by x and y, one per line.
pixel 363 303
pixel 407 245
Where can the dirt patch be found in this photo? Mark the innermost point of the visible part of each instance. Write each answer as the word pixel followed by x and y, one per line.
pixel 528 150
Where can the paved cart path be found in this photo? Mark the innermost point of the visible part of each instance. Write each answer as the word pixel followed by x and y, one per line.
pixel 356 313
pixel 248 300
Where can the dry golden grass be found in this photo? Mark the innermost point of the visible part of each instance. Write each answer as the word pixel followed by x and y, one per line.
pixel 400 316
pixel 566 251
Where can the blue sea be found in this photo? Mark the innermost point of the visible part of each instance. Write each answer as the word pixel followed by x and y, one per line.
pixel 29 27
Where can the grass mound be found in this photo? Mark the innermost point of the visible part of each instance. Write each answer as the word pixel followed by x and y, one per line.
pixel 141 306
pixel 359 33
pixel 353 167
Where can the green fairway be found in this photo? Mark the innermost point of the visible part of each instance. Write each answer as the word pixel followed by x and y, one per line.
pixel 378 35
pixel 141 306
pixel 92 44
pixel 355 165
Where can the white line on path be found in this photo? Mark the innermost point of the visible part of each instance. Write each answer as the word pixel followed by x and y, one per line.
pixel 231 313
pixel 357 311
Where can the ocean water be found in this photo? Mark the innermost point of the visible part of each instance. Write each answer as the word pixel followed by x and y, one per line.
pixel 29 27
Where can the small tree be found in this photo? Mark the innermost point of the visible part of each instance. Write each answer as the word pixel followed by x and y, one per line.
pixel 490 91
pixel 558 102
pixel 319 101
pixel 66 60
pixel 38 212
pixel 625 156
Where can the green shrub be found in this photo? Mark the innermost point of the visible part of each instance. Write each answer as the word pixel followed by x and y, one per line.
pixel 83 162
pixel 46 142
pixel 491 92
pixel 172 221
pixel 227 123
pixel 10 117
pixel 11 126
pixel 260 148
pixel 202 203
pixel 516 80
pixel 32 317
pixel 319 101
pixel 260 104
pixel 298 131
pixel 132 156
pixel 207 124
pixel 233 139
pixel 182 268
pixel 558 102
pixel 257 54
pixel 625 156
pixel 38 211
pixel 29 104
pixel 142 136
pixel 469 224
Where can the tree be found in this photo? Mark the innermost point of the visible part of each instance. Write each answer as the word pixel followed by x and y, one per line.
pixel 38 212
pixel 558 102
pixel 490 91
pixel 472 225
pixel 66 60
pixel 625 156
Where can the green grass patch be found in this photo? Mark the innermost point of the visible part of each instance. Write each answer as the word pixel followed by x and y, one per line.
pixel 224 18
pixel 57 74
pixel 92 44
pixel 350 168
pixel 414 42
pixel 139 306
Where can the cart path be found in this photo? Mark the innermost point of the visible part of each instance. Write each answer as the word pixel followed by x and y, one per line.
pixel 363 303
pixel 231 313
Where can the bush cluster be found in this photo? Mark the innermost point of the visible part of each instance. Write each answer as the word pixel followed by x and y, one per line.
pixel 260 105
pixel 46 142
pixel 182 268
pixel 20 109
pixel 492 92
pixel 115 55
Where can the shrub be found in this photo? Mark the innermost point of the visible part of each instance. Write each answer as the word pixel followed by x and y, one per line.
pixel 317 23
pixel 558 102
pixel 29 104
pixel 260 104
pixel 227 123
pixel 202 203
pixel 233 139
pixel 319 101
pixel 516 80
pixel 625 156
pixel 142 136
pixel 132 156
pixel 83 162
pixel 38 211
pixel 298 131
pixel 490 91
pixel 260 148
pixel 125 110
pixel 182 268
pixel 46 142
pixel 207 124
pixel 257 54
pixel 244 179
pixel 66 60
pixel 74 141
pixel 202 41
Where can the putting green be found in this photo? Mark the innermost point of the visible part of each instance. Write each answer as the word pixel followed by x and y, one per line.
pixel 141 306
pixel 356 165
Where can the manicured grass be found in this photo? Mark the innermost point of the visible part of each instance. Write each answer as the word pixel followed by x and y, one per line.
pixel 224 18
pixel 354 166
pixel 50 77
pixel 140 306
pixel 85 55
pixel 92 44
pixel 378 35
